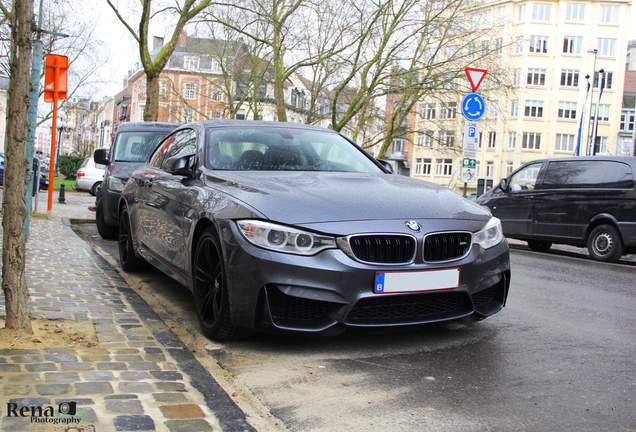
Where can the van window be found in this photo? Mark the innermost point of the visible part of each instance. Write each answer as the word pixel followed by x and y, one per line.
pixel 526 178
pixel 588 174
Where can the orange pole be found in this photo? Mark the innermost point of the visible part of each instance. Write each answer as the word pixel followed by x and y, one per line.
pixel 53 133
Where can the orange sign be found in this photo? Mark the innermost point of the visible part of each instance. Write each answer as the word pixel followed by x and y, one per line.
pixel 55 77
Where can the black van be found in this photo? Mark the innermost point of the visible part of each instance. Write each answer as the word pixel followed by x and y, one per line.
pixel 133 143
pixel 580 201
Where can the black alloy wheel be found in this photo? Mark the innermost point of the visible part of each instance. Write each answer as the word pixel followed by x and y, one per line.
pixel 211 298
pixel 127 259
pixel 605 244
pixel 106 231
pixel 539 246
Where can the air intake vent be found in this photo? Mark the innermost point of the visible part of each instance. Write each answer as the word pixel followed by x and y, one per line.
pixel 409 308
pixel 383 249
pixel 446 246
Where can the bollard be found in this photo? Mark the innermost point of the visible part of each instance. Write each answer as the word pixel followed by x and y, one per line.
pixel 61 198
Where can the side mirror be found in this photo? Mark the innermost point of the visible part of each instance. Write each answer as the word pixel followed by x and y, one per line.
pixel 101 156
pixel 503 184
pixel 179 165
pixel 386 165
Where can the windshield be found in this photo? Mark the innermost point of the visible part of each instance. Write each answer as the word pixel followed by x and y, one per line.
pixel 284 149
pixel 136 146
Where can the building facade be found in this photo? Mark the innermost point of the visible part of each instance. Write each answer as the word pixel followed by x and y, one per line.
pixel 203 80
pixel 551 47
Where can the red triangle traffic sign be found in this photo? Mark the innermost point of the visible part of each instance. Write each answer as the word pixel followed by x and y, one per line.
pixel 475 76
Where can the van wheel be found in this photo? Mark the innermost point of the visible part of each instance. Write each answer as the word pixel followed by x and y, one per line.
pixel 605 244
pixel 539 246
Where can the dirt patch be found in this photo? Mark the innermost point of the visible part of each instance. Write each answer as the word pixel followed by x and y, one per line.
pixel 50 334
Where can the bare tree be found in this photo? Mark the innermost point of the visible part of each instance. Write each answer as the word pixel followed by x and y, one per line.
pixel 16 166
pixel 82 48
pixel 282 27
pixel 154 66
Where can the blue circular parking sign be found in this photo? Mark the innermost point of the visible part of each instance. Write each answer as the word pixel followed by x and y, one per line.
pixel 473 106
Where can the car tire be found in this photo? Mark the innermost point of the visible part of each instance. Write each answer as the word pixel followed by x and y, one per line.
pixel 211 297
pixel 539 246
pixel 127 259
pixel 93 190
pixel 106 231
pixel 605 244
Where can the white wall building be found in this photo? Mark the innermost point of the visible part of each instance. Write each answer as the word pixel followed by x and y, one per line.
pixel 550 47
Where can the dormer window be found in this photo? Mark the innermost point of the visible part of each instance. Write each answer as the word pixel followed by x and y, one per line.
pixel 298 99
pixel 191 62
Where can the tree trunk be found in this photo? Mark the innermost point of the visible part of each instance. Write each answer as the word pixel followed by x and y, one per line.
pixel 279 76
pixel 16 165
pixel 151 112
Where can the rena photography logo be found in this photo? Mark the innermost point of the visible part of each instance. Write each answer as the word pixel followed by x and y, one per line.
pixel 45 413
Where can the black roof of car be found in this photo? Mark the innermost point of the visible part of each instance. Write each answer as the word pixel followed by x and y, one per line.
pixel 256 123
pixel 146 126
pixel 631 160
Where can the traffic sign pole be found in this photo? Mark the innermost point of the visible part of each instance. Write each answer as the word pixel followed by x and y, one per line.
pixel 55 89
pixel 473 109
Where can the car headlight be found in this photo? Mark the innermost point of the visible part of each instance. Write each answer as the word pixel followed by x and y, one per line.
pixel 491 235
pixel 116 184
pixel 284 239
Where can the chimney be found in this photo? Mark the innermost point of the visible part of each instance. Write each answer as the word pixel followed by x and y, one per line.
pixel 183 37
pixel 157 42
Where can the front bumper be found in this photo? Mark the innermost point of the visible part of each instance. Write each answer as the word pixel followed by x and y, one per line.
pixel 110 205
pixel 314 294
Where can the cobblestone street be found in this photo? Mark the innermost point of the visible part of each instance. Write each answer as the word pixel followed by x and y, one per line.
pixel 139 376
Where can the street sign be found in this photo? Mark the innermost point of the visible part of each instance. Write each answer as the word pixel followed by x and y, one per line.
pixel 471 139
pixel 475 76
pixel 55 77
pixel 469 169
pixel 473 106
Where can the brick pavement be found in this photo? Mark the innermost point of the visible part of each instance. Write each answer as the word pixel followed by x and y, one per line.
pixel 140 376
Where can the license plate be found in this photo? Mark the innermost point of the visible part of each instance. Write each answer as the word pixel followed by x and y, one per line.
pixel 402 282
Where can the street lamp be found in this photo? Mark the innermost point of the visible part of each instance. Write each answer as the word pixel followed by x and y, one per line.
pixel 589 122
pixel 62 126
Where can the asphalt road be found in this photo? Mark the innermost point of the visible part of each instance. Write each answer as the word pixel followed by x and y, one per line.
pixel 560 357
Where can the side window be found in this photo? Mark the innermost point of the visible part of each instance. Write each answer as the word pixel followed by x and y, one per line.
pixel 182 143
pixel 159 155
pixel 525 179
pixel 588 174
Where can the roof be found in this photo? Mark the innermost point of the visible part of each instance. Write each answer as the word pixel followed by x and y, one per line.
pixel 206 49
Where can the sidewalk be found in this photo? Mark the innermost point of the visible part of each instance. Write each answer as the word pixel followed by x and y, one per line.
pixel 132 374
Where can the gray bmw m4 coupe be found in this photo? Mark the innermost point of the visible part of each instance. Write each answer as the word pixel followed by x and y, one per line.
pixel 288 227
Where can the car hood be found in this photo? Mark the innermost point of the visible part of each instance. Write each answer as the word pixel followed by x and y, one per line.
pixel 319 197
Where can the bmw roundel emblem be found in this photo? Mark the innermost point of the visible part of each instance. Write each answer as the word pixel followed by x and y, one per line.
pixel 413 226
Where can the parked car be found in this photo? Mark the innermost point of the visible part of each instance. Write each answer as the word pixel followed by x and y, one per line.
pixel 44 180
pixel 293 227
pixel 131 147
pixel 89 176
pixel 580 201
